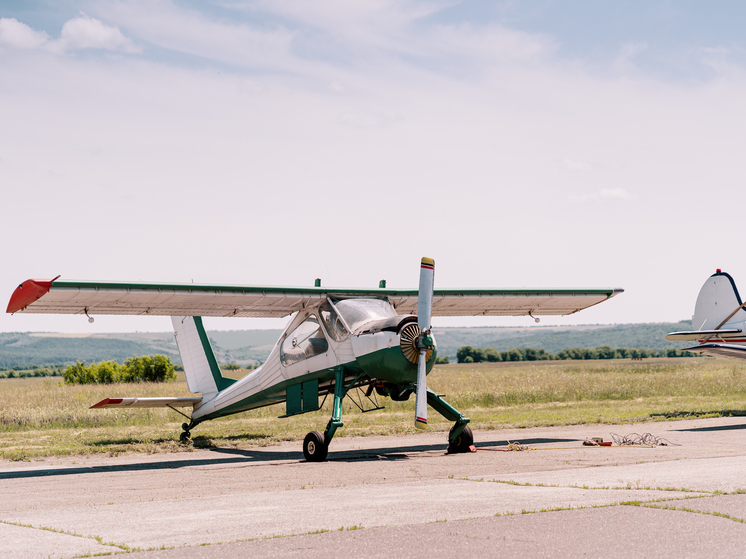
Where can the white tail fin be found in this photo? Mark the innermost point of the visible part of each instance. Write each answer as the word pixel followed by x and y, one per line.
pixel 717 301
pixel 200 366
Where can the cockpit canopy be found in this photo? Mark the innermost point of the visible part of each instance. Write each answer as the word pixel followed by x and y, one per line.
pixel 340 317
pixel 357 312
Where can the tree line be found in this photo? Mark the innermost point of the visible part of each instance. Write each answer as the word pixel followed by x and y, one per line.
pixel 32 371
pixel 468 354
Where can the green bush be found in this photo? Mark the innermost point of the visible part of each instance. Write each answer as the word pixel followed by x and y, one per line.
pixel 148 368
pixel 476 355
pixel 492 355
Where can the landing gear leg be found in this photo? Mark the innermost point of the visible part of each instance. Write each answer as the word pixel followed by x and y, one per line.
pixel 460 437
pixel 316 445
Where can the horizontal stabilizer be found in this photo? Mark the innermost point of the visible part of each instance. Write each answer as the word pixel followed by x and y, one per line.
pixel 148 402
pixel 690 335
pixel 720 350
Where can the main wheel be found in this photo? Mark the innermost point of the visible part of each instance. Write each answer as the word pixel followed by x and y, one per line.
pixel 462 442
pixel 184 437
pixel 315 448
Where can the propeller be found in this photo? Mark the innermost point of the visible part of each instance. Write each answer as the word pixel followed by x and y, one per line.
pixel 425 341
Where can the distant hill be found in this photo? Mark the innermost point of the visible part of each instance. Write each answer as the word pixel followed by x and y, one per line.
pixel 554 339
pixel 19 350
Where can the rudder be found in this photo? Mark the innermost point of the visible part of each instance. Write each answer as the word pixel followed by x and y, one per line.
pixel 200 366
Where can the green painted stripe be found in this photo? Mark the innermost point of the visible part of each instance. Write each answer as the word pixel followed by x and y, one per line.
pixel 276 394
pixel 220 381
pixel 387 364
pixel 317 291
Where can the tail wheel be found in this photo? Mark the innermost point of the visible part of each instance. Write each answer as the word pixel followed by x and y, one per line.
pixel 462 442
pixel 315 448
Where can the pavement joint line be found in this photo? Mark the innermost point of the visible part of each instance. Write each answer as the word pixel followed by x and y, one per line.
pixel 272 537
pixel 99 539
pixel 695 511
pixel 628 487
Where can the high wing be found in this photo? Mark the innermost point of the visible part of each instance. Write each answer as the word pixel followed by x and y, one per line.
pixel 189 299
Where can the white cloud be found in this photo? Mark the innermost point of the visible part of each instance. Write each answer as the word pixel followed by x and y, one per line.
pixel 85 32
pixel 630 50
pixel 17 35
pixel 168 26
pixel 603 195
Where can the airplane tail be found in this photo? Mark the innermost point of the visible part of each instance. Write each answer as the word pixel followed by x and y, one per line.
pixel 200 366
pixel 718 320
pixel 718 303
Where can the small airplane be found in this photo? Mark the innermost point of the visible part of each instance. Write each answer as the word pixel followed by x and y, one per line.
pixel 337 340
pixel 719 319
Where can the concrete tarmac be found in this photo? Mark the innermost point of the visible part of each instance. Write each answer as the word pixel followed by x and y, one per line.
pixel 394 496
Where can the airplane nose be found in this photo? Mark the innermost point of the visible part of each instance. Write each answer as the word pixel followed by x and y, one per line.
pixel 408 343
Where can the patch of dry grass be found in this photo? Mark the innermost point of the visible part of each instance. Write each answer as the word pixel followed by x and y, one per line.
pixel 43 417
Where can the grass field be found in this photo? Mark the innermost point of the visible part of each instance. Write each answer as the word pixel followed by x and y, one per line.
pixel 41 417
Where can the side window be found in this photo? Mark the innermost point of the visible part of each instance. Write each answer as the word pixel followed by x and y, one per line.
pixel 334 326
pixel 305 341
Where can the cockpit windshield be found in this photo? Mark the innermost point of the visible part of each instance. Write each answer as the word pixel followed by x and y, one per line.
pixel 357 312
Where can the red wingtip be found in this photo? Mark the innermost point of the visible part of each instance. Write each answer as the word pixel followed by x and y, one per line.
pixel 105 402
pixel 28 292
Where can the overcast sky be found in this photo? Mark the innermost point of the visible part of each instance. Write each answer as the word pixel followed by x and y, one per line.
pixel 536 144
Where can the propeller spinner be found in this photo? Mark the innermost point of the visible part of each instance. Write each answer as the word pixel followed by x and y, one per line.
pixel 425 340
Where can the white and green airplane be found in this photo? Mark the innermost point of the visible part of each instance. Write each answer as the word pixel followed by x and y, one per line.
pixel 337 340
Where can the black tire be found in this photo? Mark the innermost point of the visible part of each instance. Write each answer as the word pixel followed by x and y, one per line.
pixel 315 448
pixel 184 437
pixel 462 442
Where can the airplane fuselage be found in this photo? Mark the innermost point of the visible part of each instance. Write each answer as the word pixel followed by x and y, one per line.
pixel 320 343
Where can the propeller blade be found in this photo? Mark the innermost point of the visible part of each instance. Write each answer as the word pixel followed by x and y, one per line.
pixel 424 316
pixel 425 294
pixel 420 410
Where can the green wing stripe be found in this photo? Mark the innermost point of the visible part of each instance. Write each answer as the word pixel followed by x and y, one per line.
pixel 188 299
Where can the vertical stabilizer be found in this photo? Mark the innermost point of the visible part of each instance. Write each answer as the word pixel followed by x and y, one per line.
pixel 200 366
pixel 717 300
